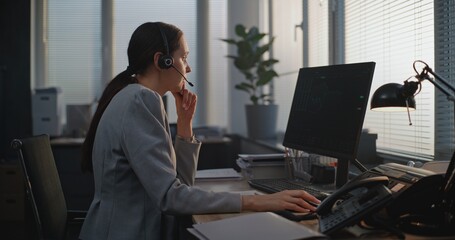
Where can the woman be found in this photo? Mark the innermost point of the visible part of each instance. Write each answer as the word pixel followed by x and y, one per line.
pixel 142 181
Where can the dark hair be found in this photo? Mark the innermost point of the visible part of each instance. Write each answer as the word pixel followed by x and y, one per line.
pixel 144 43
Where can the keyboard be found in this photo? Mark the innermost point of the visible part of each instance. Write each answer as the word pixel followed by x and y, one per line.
pixel 273 185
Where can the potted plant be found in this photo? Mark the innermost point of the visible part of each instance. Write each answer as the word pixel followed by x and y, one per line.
pixel 258 71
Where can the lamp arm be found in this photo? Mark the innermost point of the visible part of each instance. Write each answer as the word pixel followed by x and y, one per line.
pixel 450 96
pixel 449 177
pixel 448 187
pixel 443 80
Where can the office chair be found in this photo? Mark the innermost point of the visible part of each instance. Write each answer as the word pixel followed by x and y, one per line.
pixel 44 190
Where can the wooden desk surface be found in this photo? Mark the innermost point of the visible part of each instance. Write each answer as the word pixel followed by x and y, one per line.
pixel 242 185
pixel 67 141
pixel 233 186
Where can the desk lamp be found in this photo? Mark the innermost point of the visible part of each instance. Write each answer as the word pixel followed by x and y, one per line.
pixel 440 218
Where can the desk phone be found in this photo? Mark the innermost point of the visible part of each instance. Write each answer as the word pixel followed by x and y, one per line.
pixel 352 202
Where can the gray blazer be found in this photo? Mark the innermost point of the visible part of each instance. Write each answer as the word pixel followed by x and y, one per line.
pixel 141 179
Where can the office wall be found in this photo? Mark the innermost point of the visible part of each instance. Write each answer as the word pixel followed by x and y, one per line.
pixel 247 13
pixel 15 106
pixel 288 49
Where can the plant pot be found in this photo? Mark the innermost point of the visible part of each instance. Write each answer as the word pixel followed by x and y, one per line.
pixel 261 121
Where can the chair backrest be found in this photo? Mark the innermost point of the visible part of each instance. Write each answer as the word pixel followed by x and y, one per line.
pixel 43 185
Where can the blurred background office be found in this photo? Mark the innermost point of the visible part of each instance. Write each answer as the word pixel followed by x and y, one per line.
pixel 67 50
pixel 77 46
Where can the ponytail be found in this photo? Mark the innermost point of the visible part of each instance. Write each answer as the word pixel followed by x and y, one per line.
pixel 118 83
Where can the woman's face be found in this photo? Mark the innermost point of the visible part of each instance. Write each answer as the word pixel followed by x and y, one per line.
pixel 181 65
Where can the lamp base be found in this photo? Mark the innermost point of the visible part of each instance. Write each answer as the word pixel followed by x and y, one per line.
pixel 433 222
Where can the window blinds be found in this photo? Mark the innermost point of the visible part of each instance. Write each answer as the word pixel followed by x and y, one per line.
pixel 394 34
pixel 74 45
pixel 128 15
pixel 318 33
pixel 74 49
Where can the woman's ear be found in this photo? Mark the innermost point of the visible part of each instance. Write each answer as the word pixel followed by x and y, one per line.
pixel 156 59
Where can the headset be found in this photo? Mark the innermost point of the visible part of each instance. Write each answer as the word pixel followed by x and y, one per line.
pixel 165 61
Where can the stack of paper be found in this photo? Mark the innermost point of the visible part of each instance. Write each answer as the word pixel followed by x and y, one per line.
pixel 273 157
pixel 218 174
pixel 264 226
pixel 253 160
pixel 262 165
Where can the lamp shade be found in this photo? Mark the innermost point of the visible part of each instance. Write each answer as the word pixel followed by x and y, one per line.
pixel 391 97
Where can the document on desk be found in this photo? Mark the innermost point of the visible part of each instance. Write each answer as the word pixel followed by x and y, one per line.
pixel 264 226
pixel 262 157
pixel 218 173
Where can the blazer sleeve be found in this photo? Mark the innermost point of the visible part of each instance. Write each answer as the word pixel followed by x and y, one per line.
pixel 148 146
pixel 187 155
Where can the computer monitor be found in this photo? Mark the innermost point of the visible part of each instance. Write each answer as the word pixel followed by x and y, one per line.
pixel 327 112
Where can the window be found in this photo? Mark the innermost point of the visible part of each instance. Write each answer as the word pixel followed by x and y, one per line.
pixel 288 49
pixel 128 15
pixel 318 33
pixel 73 40
pixel 394 34
pixel 70 53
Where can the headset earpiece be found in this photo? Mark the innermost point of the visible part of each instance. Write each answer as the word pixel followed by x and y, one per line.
pixel 165 61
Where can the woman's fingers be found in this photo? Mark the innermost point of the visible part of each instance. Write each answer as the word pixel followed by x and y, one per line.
pixel 294 200
pixel 299 200
pixel 185 99
pixel 188 98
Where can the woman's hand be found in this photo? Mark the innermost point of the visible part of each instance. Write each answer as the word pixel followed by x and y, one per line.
pixel 185 103
pixel 293 200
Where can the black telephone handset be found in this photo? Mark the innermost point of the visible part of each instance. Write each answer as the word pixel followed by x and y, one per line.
pixel 328 203
pixel 352 202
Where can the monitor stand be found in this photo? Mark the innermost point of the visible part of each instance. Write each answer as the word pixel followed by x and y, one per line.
pixel 342 171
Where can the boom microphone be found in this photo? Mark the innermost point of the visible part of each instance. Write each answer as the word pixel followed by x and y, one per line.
pixel 189 83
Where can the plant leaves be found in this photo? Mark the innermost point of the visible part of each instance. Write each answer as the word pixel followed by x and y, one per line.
pixel 252 33
pixel 266 77
pixel 254 99
pixel 268 63
pixel 244 49
pixel 244 63
pixel 230 41
pixel 249 61
pixel 245 87
pixel 240 30
pixel 256 38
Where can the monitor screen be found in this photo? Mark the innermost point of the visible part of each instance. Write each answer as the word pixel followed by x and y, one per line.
pixel 328 109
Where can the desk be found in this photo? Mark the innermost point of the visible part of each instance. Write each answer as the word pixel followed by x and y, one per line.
pixel 242 185
pixel 232 186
